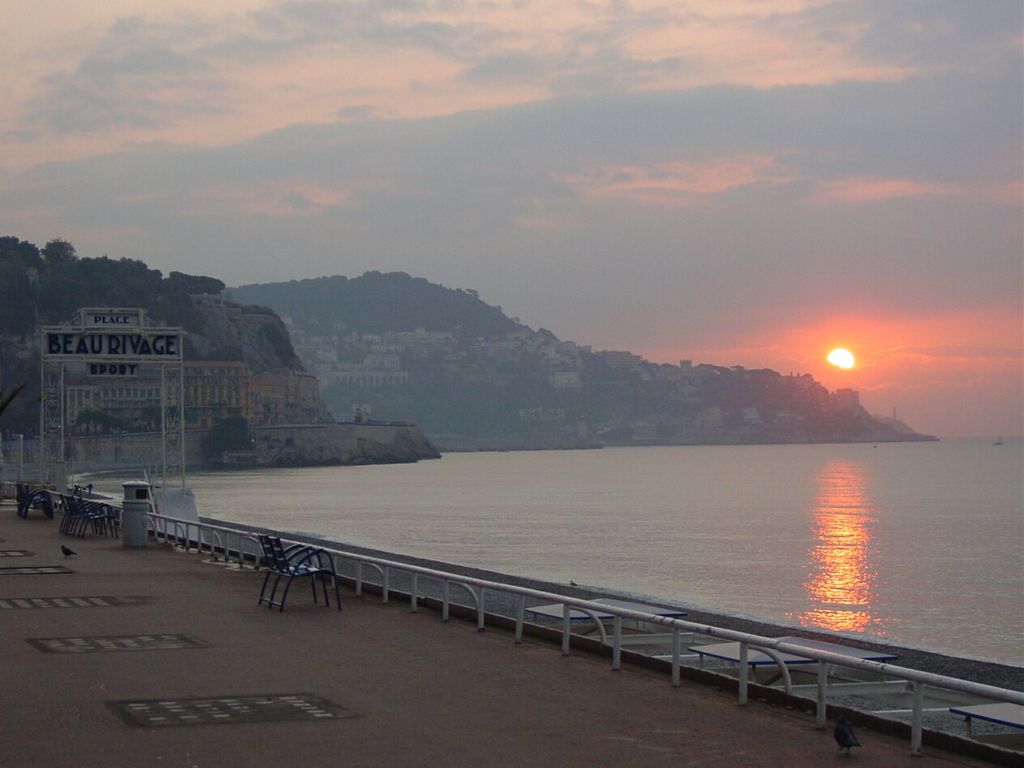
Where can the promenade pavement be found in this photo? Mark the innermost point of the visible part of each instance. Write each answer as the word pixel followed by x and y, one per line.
pixel 402 689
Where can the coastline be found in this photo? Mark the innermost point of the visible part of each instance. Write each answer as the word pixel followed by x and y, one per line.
pixel 989 672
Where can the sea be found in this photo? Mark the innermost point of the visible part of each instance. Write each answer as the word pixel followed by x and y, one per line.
pixel 918 544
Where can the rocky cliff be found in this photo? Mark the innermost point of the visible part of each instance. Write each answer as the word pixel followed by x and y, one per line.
pixel 225 330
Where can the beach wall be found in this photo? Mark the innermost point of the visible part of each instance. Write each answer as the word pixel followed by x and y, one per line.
pixel 285 445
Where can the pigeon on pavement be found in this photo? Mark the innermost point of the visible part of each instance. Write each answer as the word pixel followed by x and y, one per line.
pixel 845 736
pixel 67 552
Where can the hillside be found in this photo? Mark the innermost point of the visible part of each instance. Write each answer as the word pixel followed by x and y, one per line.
pixel 377 303
pixel 40 286
pixel 404 348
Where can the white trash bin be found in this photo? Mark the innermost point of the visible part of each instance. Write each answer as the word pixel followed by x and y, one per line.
pixel 134 509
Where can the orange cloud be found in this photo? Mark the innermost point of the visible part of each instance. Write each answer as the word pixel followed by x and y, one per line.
pixel 868 190
pixel 677 183
pixel 267 65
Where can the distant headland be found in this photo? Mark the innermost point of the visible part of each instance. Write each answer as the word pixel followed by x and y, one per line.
pixel 439 366
pixel 475 379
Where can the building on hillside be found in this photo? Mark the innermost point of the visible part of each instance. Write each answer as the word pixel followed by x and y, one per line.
pixel 847 399
pixel 284 396
pixel 619 359
pixel 215 390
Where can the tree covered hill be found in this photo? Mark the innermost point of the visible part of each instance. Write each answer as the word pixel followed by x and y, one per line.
pixel 48 285
pixel 378 303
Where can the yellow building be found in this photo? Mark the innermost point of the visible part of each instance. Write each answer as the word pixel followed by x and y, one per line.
pixel 215 390
pixel 284 396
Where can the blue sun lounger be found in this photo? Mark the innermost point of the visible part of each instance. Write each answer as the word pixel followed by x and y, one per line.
pixel 1010 715
pixel 755 658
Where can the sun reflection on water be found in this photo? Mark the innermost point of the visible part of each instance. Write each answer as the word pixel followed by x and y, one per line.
pixel 841 582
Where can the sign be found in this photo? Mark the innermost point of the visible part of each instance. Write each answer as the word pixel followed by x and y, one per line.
pixel 113 369
pixel 141 346
pixel 113 337
pixel 109 342
pixel 112 318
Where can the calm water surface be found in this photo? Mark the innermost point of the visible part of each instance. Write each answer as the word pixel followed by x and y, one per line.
pixel 918 543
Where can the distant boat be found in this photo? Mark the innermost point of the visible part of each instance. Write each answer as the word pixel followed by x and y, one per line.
pixel 999 440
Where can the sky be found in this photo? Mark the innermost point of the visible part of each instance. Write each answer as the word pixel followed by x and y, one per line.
pixel 733 182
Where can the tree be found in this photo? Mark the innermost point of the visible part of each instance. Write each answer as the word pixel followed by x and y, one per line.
pixel 195 283
pixel 59 253
pixel 230 434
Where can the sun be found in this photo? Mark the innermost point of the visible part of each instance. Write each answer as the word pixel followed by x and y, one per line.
pixel 842 358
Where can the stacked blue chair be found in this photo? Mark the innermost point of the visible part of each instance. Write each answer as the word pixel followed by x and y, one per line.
pixel 295 561
pixel 82 515
pixel 29 497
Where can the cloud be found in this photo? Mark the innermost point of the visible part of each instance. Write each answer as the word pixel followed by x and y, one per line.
pixel 677 183
pixel 871 190
pixel 957 352
pixel 161 73
pixel 358 112
pixel 500 68
pixel 284 198
pixel 139 75
pixel 925 34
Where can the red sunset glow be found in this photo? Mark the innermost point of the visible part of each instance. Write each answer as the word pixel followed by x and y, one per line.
pixel 736 183
pixel 913 362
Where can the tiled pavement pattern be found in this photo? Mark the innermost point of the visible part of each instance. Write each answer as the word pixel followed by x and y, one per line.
pixel 32 570
pixel 84 601
pixel 161 642
pixel 226 710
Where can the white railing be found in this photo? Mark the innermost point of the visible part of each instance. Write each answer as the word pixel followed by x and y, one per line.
pixel 216 539
pixel 217 536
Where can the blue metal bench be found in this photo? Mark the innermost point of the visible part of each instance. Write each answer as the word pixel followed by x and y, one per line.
pixel 295 561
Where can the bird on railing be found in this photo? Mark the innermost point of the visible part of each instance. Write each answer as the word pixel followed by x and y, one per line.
pixel 67 552
pixel 845 737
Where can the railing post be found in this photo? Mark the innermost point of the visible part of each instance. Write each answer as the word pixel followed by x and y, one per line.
pixel 565 628
pixel 412 599
pixel 446 594
pixel 819 717
pixel 675 656
pixel 915 722
pixel 480 611
pixel 744 670
pixel 520 610
pixel 617 643
pixel 359 578
pixel 384 584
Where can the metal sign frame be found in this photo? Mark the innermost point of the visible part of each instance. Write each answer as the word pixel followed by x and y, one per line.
pixel 111 340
